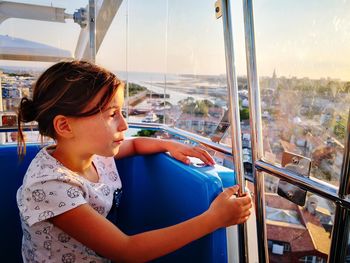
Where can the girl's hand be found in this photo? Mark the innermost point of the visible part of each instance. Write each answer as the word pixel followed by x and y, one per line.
pixel 181 152
pixel 227 209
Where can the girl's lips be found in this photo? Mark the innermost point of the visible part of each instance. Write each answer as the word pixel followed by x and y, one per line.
pixel 118 141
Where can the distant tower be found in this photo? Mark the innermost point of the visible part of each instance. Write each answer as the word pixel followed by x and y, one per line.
pixel 273 84
pixel 274 75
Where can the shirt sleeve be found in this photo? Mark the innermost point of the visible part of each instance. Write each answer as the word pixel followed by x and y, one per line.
pixel 47 199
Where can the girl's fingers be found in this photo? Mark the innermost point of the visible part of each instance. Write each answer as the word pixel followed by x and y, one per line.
pixel 246 213
pixel 201 154
pixel 231 190
pixel 246 200
pixel 247 207
pixel 242 220
pixel 197 152
pixel 183 159
pixel 207 156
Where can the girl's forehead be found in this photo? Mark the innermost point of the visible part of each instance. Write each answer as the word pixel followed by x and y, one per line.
pixel 117 99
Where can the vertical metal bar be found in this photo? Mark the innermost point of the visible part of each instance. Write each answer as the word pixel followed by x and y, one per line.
pixel 1 106
pixel 255 127
pixel 344 184
pixel 166 58
pixel 2 135
pixel 92 30
pixel 233 94
pixel 340 233
pixel 127 59
pixel 234 118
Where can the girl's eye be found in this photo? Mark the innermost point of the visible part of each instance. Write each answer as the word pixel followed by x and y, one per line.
pixel 122 113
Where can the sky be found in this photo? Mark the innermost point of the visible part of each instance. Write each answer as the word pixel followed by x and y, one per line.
pixel 295 38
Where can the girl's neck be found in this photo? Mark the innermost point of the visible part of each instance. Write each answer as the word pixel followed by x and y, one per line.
pixel 72 160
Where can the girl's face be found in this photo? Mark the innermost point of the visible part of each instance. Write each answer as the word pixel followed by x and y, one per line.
pixel 102 133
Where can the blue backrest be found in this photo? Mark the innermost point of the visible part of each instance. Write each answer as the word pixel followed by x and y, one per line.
pixel 12 171
pixel 158 191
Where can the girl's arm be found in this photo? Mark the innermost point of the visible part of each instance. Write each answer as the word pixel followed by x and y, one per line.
pixel 180 151
pixel 96 232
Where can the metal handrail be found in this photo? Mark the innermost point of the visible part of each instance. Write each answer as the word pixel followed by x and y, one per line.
pixel 308 184
pixel 15 128
pixel 235 128
pixel 255 128
pixel 260 164
pixel 156 126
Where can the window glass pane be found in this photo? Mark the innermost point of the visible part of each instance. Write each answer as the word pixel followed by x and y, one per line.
pixel 21 41
pixel 195 54
pixel 297 233
pixel 24 45
pixel 303 67
pixel 172 55
pixel 134 48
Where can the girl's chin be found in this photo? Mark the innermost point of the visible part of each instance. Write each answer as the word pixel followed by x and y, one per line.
pixel 116 150
pixel 111 153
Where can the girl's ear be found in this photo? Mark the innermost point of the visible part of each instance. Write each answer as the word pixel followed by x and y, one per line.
pixel 62 127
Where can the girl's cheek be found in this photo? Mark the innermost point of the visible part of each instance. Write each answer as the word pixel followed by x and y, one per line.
pixel 113 125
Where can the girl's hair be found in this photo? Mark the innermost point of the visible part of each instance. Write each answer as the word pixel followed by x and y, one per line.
pixel 65 88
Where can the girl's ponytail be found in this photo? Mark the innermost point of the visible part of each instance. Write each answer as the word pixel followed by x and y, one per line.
pixel 26 113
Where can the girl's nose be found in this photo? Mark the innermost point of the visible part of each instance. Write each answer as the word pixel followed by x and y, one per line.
pixel 123 125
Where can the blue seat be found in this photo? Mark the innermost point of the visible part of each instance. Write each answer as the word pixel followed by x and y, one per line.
pixel 158 191
pixel 12 172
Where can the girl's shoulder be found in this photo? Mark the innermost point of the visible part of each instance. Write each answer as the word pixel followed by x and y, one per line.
pixel 42 163
pixel 45 167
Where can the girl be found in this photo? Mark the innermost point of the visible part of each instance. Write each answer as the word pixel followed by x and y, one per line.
pixel 68 189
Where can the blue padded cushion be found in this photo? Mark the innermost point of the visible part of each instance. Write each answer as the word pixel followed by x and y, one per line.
pixel 158 191
pixel 12 172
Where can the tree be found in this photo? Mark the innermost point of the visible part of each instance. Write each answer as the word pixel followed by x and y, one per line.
pixel 198 107
pixel 145 133
pixel 134 89
pixel 244 114
pixel 339 128
pixel 188 100
pixel 201 108
pixel 346 87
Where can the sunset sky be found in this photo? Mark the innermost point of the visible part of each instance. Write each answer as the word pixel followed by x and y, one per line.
pixel 295 38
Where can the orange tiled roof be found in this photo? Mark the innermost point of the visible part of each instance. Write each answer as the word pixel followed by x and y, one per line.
pixel 311 238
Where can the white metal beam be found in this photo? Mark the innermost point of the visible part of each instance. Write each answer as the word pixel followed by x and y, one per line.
pixel 33 12
pixel 105 12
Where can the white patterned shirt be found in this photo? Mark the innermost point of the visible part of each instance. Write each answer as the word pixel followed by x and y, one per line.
pixel 50 189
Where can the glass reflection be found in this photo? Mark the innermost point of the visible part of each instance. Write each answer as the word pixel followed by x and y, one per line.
pixel 297 233
pixel 305 88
